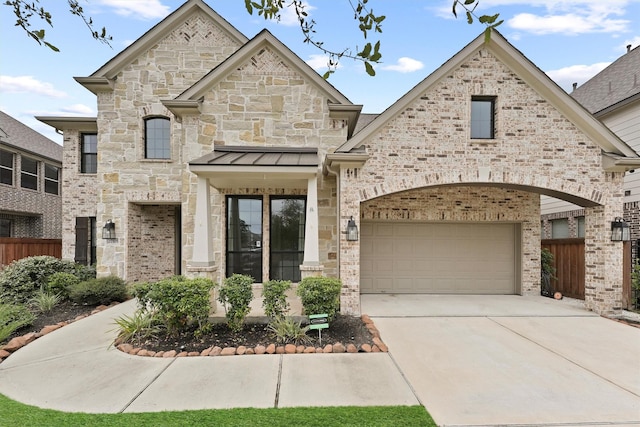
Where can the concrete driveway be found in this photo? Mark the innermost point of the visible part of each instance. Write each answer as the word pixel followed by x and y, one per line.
pixel 497 360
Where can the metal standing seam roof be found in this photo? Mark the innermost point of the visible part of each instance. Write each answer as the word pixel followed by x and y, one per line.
pixel 259 156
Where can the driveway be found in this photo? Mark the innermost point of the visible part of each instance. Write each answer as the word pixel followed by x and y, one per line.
pixel 496 360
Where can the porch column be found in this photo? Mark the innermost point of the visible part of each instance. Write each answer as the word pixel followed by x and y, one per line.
pixel 202 233
pixel 311 262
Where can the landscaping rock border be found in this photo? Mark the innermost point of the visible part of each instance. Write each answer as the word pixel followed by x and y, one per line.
pixel 377 347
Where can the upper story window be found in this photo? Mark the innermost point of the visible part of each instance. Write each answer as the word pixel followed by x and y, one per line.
pixel 6 167
pixel 89 153
pixel 5 227
pixel 29 173
pixel 157 138
pixel 483 117
pixel 51 179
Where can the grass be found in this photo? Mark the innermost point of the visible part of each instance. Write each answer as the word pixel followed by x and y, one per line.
pixel 15 413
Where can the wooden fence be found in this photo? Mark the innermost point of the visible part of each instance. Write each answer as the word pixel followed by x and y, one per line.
pixel 12 249
pixel 568 260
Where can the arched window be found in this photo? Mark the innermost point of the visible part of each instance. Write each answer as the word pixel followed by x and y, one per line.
pixel 157 134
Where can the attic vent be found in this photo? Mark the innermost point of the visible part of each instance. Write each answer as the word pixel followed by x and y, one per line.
pixel 628 48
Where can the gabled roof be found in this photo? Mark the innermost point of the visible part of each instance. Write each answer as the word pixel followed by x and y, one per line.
pixel 527 71
pixel 21 136
pixel 613 86
pixel 339 105
pixel 101 79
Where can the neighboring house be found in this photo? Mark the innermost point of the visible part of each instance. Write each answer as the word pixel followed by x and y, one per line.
pixel 613 97
pixel 30 190
pixel 213 154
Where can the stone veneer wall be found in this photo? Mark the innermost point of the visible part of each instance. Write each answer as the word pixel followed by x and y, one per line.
pixel 124 175
pixel 266 102
pixel 535 146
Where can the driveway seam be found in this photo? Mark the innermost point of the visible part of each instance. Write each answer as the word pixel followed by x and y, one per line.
pixel 154 379
pixel 406 380
pixel 562 356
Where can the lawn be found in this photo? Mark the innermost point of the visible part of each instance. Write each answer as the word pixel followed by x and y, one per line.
pixel 14 413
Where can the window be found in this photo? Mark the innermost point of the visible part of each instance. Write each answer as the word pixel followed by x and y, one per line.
pixel 5 228
pixel 560 228
pixel 580 226
pixel 157 136
pixel 85 240
pixel 244 236
pixel 6 167
pixel 482 117
pixel 51 179
pixel 29 173
pixel 89 153
pixel 287 238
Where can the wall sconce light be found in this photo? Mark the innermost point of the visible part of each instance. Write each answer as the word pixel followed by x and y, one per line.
pixel 352 231
pixel 109 230
pixel 620 230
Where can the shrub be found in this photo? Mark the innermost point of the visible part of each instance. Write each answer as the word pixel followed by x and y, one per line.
pixel 285 330
pixel 177 301
pixel 12 318
pixel 103 290
pixel 21 279
pixel 59 283
pixel 138 327
pixel 236 294
pixel 44 301
pixel 274 296
pixel 85 272
pixel 320 295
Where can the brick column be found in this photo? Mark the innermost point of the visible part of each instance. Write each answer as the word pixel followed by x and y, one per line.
pixel 349 250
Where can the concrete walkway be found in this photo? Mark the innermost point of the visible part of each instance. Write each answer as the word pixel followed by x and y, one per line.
pixel 509 360
pixel 74 369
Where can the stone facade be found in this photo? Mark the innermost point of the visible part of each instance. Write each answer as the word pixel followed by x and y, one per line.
pixel 415 162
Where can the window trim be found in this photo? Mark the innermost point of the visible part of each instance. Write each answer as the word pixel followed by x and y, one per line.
pixel 492 101
pixel 24 173
pixel 51 180
pixel 163 149
pixel 7 168
pixel 85 154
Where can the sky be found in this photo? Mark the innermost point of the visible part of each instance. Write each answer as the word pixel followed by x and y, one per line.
pixel 570 40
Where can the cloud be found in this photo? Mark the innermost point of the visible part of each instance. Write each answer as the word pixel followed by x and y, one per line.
pixel 553 16
pixel 28 84
pixel 565 77
pixel 320 62
pixel 404 65
pixel 289 18
pixel 142 9
pixel 70 110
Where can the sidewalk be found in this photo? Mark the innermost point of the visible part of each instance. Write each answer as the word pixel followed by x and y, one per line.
pixel 75 369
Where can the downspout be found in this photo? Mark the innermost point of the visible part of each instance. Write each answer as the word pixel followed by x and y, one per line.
pixel 337 175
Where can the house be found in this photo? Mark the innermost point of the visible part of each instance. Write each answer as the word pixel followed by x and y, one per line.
pixel 213 154
pixel 613 97
pixel 30 190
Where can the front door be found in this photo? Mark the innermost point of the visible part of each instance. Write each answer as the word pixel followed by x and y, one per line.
pixel 244 236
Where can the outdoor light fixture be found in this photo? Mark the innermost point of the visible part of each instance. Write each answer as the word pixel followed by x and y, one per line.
pixel 620 230
pixel 352 231
pixel 109 230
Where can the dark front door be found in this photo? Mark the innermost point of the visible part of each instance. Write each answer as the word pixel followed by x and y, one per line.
pixel 244 236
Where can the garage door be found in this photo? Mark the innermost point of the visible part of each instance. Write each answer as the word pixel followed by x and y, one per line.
pixel 438 258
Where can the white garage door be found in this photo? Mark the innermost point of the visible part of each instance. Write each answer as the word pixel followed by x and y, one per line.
pixel 449 258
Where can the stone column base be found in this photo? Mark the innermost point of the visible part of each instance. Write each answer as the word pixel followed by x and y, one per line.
pixel 311 270
pixel 208 272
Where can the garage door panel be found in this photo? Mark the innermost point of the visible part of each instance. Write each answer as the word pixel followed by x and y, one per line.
pixel 438 258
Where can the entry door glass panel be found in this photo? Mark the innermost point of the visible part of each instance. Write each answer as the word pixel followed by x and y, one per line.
pixel 244 237
pixel 287 238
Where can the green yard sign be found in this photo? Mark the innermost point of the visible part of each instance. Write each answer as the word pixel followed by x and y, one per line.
pixel 319 322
